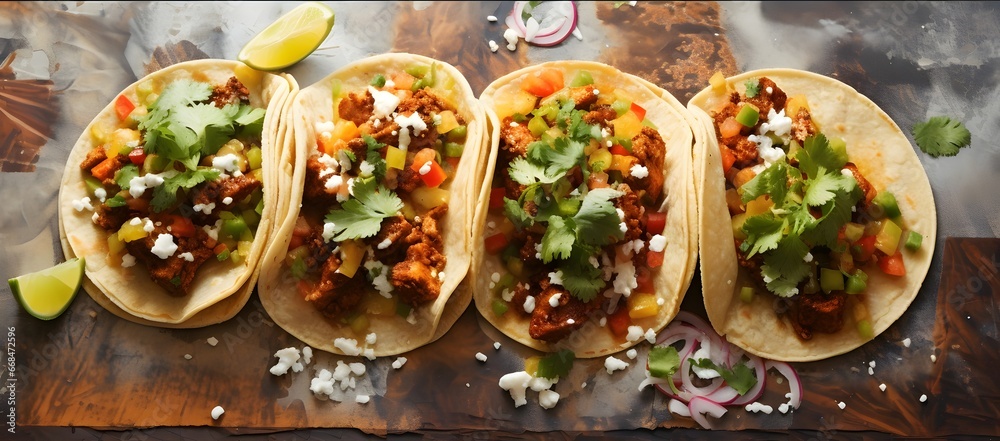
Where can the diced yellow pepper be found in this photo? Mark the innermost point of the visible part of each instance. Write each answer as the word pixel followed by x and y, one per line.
pixel 514 101
pixel 379 305
pixel 122 141
pixel 345 130
pixel 738 221
pixel 129 232
pixel 395 158
pixel 623 163
pixel 794 103
pixel 115 248
pixel 627 126
pixel 426 198
pixel 359 323
pixel 531 365
pixel 718 82
pixel 760 205
pixel 887 239
pixel 448 121
pixel 351 253
pixel 642 305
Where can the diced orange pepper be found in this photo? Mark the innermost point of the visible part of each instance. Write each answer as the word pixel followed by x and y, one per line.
pixel 123 107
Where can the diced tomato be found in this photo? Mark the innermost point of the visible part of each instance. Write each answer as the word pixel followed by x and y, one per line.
pixel 181 226
pixel 654 259
pixel 299 233
pixel 537 86
pixel 137 156
pixel 496 198
pixel 123 107
pixel 434 176
pixel 496 243
pixel 644 280
pixel 619 150
pixel 619 321
pixel 728 158
pixel 324 143
pixel 554 77
pixel 403 80
pixel 453 162
pixel 866 247
pixel 730 127
pixel 655 222
pixel 892 265
pixel 219 248
pixel 638 110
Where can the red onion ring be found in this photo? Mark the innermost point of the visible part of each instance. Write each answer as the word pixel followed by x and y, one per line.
pixel 794 382
pixel 699 406
pixel 551 35
pixel 679 408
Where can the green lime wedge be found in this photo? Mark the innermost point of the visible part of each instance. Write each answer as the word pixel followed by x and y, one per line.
pixel 290 38
pixel 47 293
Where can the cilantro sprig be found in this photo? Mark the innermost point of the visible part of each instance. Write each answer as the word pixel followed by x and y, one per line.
pixel 941 136
pixel 784 234
pixel 753 87
pixel 362 215
pixel 741 377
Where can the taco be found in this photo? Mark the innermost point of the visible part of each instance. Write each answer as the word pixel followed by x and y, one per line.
pixel 584 236
pixel 169 192
pixel 814 207
pixel 369 257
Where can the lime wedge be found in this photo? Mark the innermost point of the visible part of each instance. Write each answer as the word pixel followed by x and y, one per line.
pixel 290 38
pixel 47 293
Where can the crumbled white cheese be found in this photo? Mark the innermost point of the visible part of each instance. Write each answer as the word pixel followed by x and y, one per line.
pixel 361 399
pixel 906 342
pixel 847 172
pixel 348 346
pixel 228 163
pixel 650 336
pixel 529 304
pixel 517 384
pixel 634 333
pixel 623 227
pixel 783 408
pixel 329 230
pixel 881 387
pixel 384 244
pixel 384 103
pixel 333 183
pixel 187 256
pixel 765 149
pixel 548 399
pixel 425 169
pixel 625 281
pixel 556 278
pixel 570 321
pixel 660 301
pixel 491 18
pixel 933 358
pixel 82 204
pixel 227 200
pixel 212 341
pixel 496 345
pixel 777 123
pixel 128 261
pixel 217 412
pixel 554 300
pixel 871 371
pixel 494 46
pixel 657 243
pixel 286 358
pixel 366 168
pixel 871 363
pixel 842 405
pixel 495 277
pixel 612 364
pixel 406 123
pixel 400 361
pixel 923 398
pixel 631 354
pixel 511 38
pixel 481 357
pixel 204 208
pixel 101 194
pixel 164 246
pixel 637 171
pixel 704 351
pixel 371 338
pixel 758 407
pixel 139 184
pixel 808 257
pixel 411 318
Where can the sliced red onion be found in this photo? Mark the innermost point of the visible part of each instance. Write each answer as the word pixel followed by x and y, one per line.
pixel 699 406
pixel 512 24
pixel 679 408
pixel 794 382
pixel 515 17
pixel 724 395
pixel 758 389
pixel 530 29
pixel 552 34
pixel 563 31
pixel 690 387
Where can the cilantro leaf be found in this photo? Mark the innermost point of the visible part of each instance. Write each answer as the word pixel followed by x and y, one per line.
pixel 516 214
pixel 824 187
pixel 580 278
pixel 740 377
pixel 784 268
pixel 165 194
pixel 557 243
pixel 211 126
pixel 773 182
pixel 558 158
pixel 251 119
pixel 556 365
pixel 941 136
pixel 374 157
pixel 525 172
pixel 177 94
pixel 362 215
pixel 835 214
pixel 815 153
pixel 125 175
pixel 764 232
pixel 753 87
pixel 664 361
pixel 597 221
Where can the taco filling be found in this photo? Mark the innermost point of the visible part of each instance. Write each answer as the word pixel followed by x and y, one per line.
pixel 368 239
pixel 808 226
pixel 178 179
pixel 574 207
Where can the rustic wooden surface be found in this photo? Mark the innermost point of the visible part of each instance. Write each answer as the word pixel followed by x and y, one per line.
pixel 89 369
